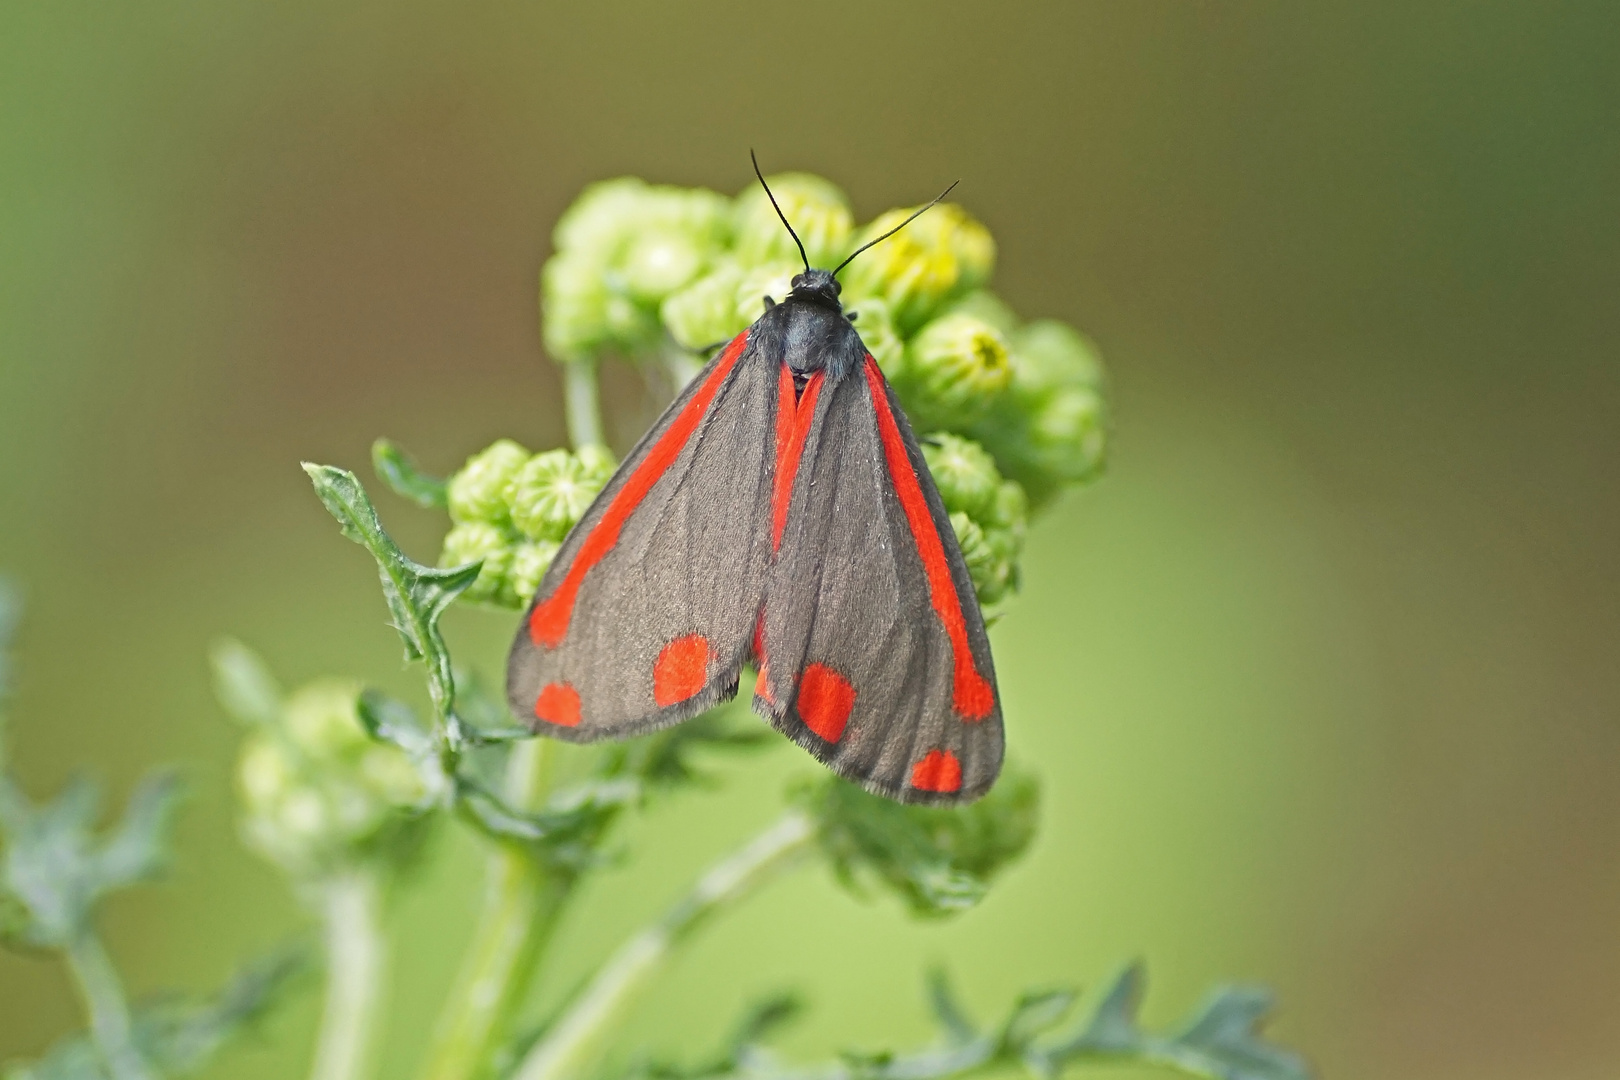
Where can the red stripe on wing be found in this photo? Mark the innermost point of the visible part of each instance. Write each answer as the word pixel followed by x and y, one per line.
pixel 971 693
pixel 548 623
pixel 793 415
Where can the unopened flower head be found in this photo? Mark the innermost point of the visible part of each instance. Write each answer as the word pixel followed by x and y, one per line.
pixel 317 792
pixel 477 493
pixel 818 211
pixel 953 370
pixel 943 253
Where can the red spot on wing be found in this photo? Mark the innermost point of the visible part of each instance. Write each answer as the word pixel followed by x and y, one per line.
pixel 548 623
pixel 558 703
pixel 971 693
pixel 681 669
pixel 939 770
pixel 793 416
pixel 825 700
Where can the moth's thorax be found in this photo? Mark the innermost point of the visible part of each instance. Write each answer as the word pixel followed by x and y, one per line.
pixel 809 330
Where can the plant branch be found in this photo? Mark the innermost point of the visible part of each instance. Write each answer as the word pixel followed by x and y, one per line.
pixel 356 959
pixel 573 1041
pixel 582 403
pixel 110 1026
pixel 523 898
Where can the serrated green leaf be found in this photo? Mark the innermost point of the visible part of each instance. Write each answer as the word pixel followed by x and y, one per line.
pixel 137 848
pixel 417 595
pixel 1035 1012
pixel 243 684
pixel 1221 1041
pixel 481 718
pixel 948 1012
pixel 400 473
pixel 183 1036
pixel 55 868
pixel 668 758
pixel 72 1058
pixel 179 1036
pixel 940 861
pixel 392 721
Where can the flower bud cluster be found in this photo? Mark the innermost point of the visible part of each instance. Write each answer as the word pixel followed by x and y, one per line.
pixel 318 793
pixel 639 266
pixel 989 513
pixel 511 509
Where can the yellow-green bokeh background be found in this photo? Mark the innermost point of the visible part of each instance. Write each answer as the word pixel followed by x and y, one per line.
pixel 1322 678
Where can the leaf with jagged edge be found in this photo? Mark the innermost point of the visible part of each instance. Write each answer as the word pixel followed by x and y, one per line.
pixel 1222 1040
pixel 179 1036
pixel 400 473
pixel 243 684
pixel 948 1012
pixel 417 595
pixel 55 868
pixel 939 860
pixel 667 759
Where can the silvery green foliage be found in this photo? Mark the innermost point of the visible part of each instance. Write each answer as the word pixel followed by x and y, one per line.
pixel 1220 1041
pixel 56 868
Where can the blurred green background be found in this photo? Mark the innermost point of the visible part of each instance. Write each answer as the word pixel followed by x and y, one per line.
pixel 1322 678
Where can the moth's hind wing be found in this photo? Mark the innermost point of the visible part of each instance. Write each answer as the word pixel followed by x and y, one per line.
pixel 645 616
pixel 875 653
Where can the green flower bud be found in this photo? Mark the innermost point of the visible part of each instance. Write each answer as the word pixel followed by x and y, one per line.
pixel 322 721
pixel 264 774
pixel 472 541
pixel 964 473
pixel 1009 516
pixel 991 573
pixel 587 307
pixel 598 463
pixel 705 312
pixel 953 371
pixel 389 776
pixel 477 492
pixel 1070 431
pixel 876 326
pixel 818 210
pixel 600 217
pixel 941 254
pixel 1048 356
pixel 530 560
pixel 550 493
pixel 986 306
pixel 660 261
pixel 318 793
pixel 1051 427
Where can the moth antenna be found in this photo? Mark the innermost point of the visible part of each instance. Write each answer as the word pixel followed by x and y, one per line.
pixel 779 213
pixel 892 231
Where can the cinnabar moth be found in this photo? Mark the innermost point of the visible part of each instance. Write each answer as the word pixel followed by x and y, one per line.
pixel 779 513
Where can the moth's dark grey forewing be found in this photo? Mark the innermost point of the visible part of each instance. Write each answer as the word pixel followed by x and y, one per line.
pixel 661 625
pixel 858 665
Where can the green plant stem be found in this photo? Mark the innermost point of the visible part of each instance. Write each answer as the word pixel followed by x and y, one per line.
pixel 109 1010
pixel 572 1043
pixel 356 958
pixel 582 403
pixel 522 900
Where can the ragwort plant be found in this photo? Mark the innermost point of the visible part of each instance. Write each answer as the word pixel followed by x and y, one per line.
pixel 339 784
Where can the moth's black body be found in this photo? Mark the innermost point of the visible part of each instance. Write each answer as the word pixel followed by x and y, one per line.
pixel 823 583
pixel 809 330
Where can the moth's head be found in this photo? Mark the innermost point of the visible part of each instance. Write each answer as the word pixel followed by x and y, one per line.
pixel 817 286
